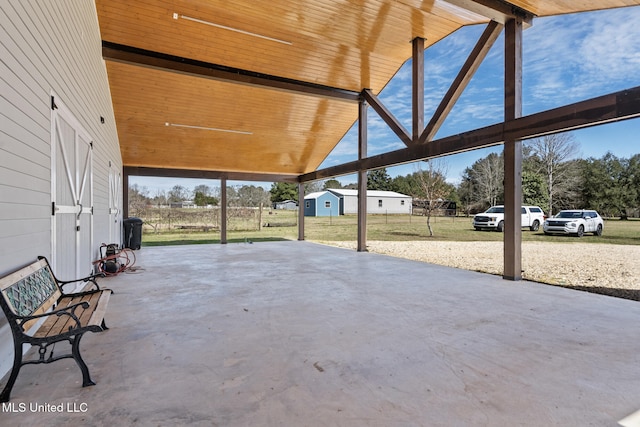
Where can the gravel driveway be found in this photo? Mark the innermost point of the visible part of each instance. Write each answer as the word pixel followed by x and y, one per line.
pixel 600 268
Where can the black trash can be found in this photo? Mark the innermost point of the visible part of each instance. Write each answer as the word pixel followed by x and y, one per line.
pixel 132 233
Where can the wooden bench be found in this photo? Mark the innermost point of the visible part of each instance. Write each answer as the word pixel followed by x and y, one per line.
pixel 33 294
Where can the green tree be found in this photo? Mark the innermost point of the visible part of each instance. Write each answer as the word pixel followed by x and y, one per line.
pixel 534 189
pixel 608 185
pixel 406 185
pixel 465 192
pixel 595 178
pixel 203 196
pixel 281 191
pixel 204 189
pixel 331 183
pixel 632 181
pixel 201 199
pixel 378 179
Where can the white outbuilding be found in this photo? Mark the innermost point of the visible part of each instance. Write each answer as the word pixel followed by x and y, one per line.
pixel 378 202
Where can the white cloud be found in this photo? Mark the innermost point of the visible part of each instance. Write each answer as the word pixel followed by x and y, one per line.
pixel 611 51
pixel 566 59
pixel 580 56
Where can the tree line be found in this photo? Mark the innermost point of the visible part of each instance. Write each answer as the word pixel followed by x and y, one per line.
pixel 552 178
pixel 201 195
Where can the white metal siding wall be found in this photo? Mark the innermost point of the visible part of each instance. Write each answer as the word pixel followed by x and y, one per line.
pixel 350 204
pixel 390 205
pixel 47 46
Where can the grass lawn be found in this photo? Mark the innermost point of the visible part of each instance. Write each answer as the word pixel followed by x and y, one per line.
pixel 282 226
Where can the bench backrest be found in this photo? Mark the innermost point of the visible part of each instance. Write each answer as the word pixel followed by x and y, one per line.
pixel 29 291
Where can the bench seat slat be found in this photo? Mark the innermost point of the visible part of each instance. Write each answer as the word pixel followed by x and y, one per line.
pixel 101 309
pixel 91 316
pixel 41 310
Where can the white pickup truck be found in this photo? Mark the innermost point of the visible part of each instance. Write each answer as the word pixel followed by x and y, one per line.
pixel 493 218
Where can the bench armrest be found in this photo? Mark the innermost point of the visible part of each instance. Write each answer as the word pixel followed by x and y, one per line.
pixel 64 311
pixel 91 279
pixel 84 293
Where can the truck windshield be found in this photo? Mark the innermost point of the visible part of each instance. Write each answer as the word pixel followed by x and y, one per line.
pixel 496 209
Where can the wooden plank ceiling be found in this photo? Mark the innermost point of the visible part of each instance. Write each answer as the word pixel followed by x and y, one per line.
pixel 170 117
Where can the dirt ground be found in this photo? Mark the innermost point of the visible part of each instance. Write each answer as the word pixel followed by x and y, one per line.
pixel 601 268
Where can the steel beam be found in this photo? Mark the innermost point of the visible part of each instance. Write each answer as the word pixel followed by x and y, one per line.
pixel 300 211
pixel 496 10
pixel 610 108
pixel 512 247
pixel 223 211
pixel 204 174
pixel 477 55
pixel 125 195
pixel 362 178
pixel 417 91
pixel 387 117
pixel 177 64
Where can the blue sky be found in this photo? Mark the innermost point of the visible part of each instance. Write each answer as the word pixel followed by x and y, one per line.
pixel 565 59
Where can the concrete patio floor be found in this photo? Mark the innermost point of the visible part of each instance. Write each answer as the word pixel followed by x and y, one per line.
pixel 300 334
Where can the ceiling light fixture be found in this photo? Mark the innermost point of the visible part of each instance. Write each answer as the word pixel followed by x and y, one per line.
pixel 206 128
pixel 224 27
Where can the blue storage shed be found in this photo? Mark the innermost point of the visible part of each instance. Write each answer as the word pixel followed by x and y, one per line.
pixel 322 203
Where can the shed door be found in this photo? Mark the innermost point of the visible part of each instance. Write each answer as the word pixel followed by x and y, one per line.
pixel 72 195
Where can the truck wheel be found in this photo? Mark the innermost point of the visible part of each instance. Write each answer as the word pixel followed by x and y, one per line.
pixel 500 226
pixel 535 226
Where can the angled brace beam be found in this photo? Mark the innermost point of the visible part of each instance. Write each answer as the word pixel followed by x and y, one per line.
pixel 477 55
pixel 609 108
pixel 388 118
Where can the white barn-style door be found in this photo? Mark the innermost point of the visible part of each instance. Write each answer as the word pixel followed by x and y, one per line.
pixel 115 219
pixel 71 193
